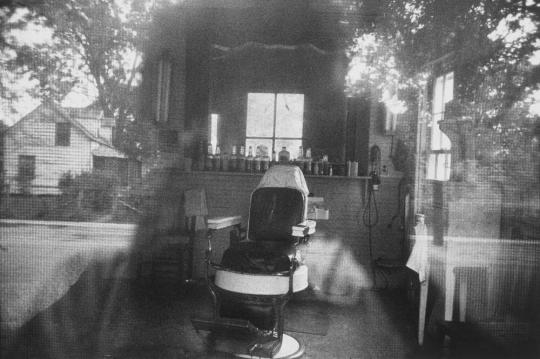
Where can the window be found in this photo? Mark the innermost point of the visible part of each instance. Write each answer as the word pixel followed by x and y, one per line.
pixel 123 171
pixel 275 120
pixel 214 119
pixel 99 163
pixel 163 88
pixel 439 156
pixel 27 168
pixel 63 134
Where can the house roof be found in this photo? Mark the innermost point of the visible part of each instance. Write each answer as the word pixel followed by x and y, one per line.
pixel 107 151
pixel 69 114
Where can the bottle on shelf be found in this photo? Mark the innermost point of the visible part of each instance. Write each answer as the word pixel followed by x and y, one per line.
pixel 265 163
pixel 300 157
pixel 201 155
pixel 284 155
pixel 232 159
pixel 249 160
pixel 241 160
pixel 225 162
pixel 216 164
pixel 274 158
pixel 209 158
pixel 307 161
pixel 315 169
pixel 257 160
pixel 324 169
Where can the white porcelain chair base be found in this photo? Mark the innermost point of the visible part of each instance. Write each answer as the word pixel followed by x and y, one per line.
pixel 261 284
pixel 291 348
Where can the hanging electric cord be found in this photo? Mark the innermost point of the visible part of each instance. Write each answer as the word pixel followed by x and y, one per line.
pixel 370 217
pixel 404 189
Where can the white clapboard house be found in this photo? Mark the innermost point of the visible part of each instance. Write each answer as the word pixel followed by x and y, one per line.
pixel 52 140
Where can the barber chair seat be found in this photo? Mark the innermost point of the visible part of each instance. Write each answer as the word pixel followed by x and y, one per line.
pixel 257 275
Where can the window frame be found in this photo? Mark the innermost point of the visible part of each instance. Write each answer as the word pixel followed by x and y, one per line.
pixel 164 73
pixel 273 138
pixel 62 134
pixel 439 144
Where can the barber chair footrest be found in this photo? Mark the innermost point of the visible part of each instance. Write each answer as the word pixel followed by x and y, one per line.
pixel 229 326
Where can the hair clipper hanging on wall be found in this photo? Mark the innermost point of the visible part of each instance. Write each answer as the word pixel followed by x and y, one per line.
pixel 375 167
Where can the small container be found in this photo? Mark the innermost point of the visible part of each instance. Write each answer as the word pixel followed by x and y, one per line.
pixel 249 160
pixel 307 166
pixel 209 158
pixel 241 160
pixel 257 164
pixel 265 163
pixel 225 162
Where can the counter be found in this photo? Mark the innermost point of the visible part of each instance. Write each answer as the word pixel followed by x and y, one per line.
pixel 341 239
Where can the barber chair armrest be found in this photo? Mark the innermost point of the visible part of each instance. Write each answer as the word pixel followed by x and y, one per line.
pixel 216 223
pixel 304 229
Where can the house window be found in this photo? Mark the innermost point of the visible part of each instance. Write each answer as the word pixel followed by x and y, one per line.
pixel 62 134
pixel 99 163
pixel 27 172
pixel 439 157
pixel 275 120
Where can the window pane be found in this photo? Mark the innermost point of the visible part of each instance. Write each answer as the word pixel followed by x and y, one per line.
pixel 449 87
pixel 289 115
pixel 214 118
pixel 260 115
pixel 438 95
pixel 441 167
pixel 27 166
pixel 446 173
pixel 438 166
pixel 63 131
pixel 445 141
pixel 436 133
pixel 254 142
pixel 431 166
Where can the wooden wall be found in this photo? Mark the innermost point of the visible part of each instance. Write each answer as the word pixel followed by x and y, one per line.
pixel 204 82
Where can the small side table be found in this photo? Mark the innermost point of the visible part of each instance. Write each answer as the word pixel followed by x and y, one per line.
pixel 223 222
pixel 217 223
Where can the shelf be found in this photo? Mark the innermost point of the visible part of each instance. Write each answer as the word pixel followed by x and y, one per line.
pixel 229 173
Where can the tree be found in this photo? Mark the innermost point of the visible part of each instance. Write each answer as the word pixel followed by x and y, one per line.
pixel 96 40
pixel 494 49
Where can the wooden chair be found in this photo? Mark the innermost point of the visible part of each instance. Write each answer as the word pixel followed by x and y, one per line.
pixel 168 253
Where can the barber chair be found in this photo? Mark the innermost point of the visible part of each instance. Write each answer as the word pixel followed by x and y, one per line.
pixel 258 274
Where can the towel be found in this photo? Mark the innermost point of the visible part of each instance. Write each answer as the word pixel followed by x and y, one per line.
pixel 195 206
pixel 418 258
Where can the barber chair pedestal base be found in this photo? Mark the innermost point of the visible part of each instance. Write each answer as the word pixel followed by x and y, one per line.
pixel 291 348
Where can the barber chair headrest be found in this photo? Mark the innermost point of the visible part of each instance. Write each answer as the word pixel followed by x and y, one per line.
pixel 278 203
pixel 285 177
